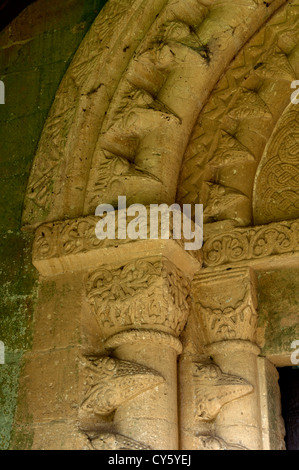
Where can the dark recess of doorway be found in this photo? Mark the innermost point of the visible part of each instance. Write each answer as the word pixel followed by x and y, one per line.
pixel 289 388
pixel 10 9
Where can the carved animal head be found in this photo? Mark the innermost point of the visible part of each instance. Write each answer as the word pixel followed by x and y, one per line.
pixel 111 382
pixel 213 389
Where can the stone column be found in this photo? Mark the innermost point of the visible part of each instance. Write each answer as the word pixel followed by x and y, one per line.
pixel 134 298
pixel 226 305
pixel 142 307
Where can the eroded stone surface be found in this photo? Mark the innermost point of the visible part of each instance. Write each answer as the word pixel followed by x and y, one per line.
pixel 120 125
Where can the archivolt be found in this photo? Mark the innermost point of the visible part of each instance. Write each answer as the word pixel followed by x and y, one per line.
pixel 231 133
pixel 125 110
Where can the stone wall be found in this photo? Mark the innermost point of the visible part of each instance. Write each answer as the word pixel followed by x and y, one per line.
pixel 278 313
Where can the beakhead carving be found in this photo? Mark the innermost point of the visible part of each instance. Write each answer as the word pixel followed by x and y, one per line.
pixel 111 382
pixel 213 389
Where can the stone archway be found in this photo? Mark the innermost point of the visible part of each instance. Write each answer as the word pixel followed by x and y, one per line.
pixel 164 100
pixel 123 102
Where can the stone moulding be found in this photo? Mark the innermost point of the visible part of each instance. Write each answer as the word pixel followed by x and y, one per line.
pixel 231 141
pixel 71 245
pixel 124 112
pixel 260 246
pixel 151 336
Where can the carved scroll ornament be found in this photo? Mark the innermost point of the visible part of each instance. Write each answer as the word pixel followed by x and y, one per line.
pixel 252 244
pixel 277 182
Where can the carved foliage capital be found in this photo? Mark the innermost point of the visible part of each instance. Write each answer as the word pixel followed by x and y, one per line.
pixel 151 294
pixel 226 304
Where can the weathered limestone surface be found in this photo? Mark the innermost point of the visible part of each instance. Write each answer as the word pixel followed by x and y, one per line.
pixel 116 318
pixel 35 51
pixel 131 121
pixel 239 141
pixel 226 305
pixel 278 312
pixel 143 345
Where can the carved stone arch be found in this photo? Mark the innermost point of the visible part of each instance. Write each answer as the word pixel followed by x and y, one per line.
pixel 276 190
pixel 229 138
pixel 124 112
pixel 152 83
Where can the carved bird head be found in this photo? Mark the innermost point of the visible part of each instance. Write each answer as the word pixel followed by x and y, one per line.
pixel 111 382
pixel 213 389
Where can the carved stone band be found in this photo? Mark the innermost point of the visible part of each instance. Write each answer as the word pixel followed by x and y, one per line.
pixel 72 245
pixel 253 245
pixel 150 336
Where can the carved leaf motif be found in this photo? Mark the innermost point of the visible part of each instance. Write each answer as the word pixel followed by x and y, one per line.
pixel 141 293
pixel 238 322
pixel 230 151
pixel 111 382
pixel 213 389
pixel 122 283
pixel 248 104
